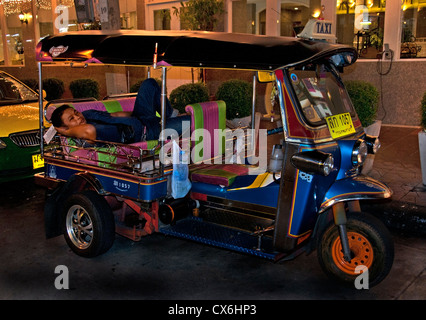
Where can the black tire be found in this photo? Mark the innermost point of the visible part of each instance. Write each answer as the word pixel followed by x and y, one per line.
pixel 371 245
pixel 93 232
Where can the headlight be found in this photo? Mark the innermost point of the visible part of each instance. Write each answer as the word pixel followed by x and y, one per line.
pixel 359 153
pixel 373 144
pixel 2 144
pixel 315 162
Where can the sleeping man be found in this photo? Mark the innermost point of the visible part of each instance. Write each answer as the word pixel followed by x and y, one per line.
pixel 122 127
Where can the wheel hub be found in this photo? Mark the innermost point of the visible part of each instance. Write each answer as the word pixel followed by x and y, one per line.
pixel 361 253
pixel 79 227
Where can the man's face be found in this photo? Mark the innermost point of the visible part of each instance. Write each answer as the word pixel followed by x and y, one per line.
pixel 72 118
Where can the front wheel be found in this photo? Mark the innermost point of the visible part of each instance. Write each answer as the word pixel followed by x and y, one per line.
pixel 370 244
pixel 89 227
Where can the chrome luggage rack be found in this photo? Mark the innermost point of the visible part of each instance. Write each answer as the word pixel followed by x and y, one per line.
pixel 129 158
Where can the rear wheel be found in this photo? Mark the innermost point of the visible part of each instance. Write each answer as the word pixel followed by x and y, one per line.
pixel 89 227
pixel 370 244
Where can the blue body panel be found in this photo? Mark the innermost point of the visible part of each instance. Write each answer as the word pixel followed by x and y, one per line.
pixel 355 188
pixel 265 196
pixel 128 188
pixel 309 192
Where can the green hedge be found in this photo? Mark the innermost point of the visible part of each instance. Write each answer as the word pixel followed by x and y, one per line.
pixel 53 87
pixel 423 112
pixel 32 83
pixel 84 88
pixel 188 93
pixel 237 95
pixel 135 87
pixel 365 98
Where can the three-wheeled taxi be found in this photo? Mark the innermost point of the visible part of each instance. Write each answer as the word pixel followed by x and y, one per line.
pixel 273 189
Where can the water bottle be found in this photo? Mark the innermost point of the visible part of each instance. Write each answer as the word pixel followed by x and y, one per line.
pixel 275 164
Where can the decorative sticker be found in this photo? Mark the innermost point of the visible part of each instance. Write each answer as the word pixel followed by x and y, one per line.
pixel 56 51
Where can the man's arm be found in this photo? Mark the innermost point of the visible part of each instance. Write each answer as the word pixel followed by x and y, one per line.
pixel 83 131
pixel 121 114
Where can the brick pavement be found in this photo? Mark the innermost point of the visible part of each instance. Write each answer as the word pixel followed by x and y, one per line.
pixel 398 164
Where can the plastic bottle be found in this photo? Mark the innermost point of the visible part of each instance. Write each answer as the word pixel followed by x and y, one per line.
pixel 275 164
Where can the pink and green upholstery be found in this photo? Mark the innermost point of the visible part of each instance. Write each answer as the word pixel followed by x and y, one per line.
pixel 99 156
pixel 209 116
pixel 222 174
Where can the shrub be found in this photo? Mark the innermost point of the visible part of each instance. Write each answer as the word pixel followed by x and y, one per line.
pixel 54 88
pixel 84 88
pixel 135 87
pixel 188 93
pixel 32 83
pixel 423 112
pixel 237 95
pixel 365 98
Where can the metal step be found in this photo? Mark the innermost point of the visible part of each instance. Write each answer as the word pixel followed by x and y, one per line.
pixel 196 229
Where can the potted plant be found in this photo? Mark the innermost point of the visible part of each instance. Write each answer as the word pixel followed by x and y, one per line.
pixel 188 93
pixel 365 99
pixel 84 88
pixel 422 139
pixel 237 95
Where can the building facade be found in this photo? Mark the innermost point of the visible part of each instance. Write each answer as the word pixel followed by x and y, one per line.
pixel 388 34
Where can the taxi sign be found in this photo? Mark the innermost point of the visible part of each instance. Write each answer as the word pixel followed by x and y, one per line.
pixel 340 125
pixel 38 161
pixel 318 30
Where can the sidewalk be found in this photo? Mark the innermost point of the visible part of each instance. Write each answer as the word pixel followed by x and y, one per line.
pixel 398 165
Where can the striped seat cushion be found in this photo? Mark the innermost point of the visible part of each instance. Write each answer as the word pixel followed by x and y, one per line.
pixel 223 174
pixel 207 116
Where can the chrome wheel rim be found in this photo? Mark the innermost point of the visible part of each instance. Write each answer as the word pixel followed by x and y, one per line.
pixel 79 227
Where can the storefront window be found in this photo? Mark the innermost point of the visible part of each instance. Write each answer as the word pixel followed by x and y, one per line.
pixel 295 15
pixel 413 31
pixel 260 26
pixel 14 39
pixel 1 47
pixel 162 19
pixel 292 17
pixel 361 25
pixel 128 14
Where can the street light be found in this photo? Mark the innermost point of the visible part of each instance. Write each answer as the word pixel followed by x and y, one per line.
pixel 23 17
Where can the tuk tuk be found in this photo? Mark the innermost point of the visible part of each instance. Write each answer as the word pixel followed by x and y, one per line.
pixel 273 189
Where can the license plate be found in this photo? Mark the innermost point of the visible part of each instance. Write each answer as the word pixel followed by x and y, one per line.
pixel 340 125
pixel 38 161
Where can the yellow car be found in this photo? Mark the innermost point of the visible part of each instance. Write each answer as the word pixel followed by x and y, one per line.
pixel 19 130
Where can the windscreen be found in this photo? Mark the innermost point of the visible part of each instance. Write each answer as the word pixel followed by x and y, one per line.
pixel 12 91
pixel 320 92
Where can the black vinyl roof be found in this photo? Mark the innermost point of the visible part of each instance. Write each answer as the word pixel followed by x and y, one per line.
pixel 186 49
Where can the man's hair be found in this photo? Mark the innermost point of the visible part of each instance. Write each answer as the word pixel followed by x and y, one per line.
pixel 56 117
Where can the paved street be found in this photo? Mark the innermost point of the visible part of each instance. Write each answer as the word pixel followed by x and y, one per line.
pixel 165 268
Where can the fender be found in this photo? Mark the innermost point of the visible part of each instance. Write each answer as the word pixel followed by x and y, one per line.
pixel 354 188
pixel 53 207
pixel 346 190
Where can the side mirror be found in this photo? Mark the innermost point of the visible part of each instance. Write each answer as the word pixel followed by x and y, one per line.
pixel 44 94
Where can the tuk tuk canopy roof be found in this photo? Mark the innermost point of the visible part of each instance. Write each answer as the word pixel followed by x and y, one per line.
pixel 188 49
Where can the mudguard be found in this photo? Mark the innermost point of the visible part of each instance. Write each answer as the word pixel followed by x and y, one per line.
pixel 354 188
pixel 52 208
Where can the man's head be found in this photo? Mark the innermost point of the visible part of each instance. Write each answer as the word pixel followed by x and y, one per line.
pixel 66 116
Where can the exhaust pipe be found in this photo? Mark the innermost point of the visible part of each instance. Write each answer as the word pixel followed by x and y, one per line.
pixel 170 212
